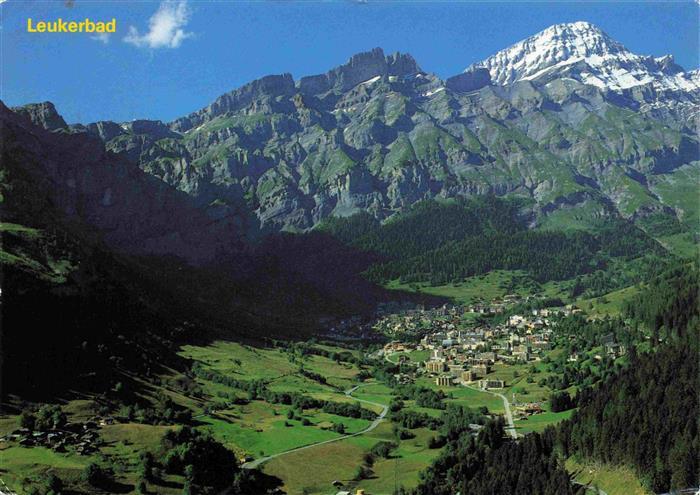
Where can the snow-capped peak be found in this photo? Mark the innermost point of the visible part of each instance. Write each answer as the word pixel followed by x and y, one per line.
pixel 584 52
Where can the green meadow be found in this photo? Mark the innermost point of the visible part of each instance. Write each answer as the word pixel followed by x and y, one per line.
pixel 485 287
pixel 614 480
pixel 257 428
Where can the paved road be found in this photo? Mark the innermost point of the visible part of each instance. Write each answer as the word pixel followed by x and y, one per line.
pixel 510 429
pixel 257 462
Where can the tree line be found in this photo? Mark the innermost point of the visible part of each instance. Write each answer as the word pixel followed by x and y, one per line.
pixel 447 242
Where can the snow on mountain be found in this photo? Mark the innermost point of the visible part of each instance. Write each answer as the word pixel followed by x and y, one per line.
pixel 584 52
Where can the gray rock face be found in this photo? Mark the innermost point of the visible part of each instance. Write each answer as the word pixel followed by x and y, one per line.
pixel 153 128
pixel 360 68
pixel 263 90
pixel 43 114
pixel 133 212
pixel 106 130
pixel 469 80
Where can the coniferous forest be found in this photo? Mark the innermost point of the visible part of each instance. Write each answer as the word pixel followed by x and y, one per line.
pixel 446 242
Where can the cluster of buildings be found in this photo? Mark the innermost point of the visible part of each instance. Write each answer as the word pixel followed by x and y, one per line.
pixel 498 304
pixel 467 355
pixel 610 348
pixel 412 322
pixel 350 329
pixel 450 369
pixel 416 321
pixel 83 438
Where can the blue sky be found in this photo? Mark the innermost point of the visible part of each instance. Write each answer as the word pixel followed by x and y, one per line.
pixel 205 48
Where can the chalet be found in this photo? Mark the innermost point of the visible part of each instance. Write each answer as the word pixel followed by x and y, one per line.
pixel 542 345
pixel 575 357
pixel 516 320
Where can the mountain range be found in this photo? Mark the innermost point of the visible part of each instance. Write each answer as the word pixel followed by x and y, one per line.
pixel 568 119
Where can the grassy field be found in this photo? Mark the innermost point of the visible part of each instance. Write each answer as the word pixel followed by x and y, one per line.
pixel 486 287
pixel 341 460
pixel 682 244
pixel 539 422
pixel 18 464
pixel 613 480
pixel 312 471
pixel 266 437
pixel 464 396
pixel 374 392
pixel 243 361
pixel 610 304
pixel 256 428
pixel 259 428
pixel 403 467
pixel 583 217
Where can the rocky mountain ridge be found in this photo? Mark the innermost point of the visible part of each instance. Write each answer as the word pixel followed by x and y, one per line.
pixel 378 134
pixel 585 53
pixel 604 62
pixel 73 176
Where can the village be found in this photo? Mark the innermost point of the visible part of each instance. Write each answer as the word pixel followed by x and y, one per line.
pixel 457 349
pixel 81 437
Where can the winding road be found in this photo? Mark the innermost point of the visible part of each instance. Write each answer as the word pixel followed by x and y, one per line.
pixel 257 462
pixel 509 417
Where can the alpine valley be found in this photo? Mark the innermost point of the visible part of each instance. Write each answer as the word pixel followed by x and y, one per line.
pixel 369 279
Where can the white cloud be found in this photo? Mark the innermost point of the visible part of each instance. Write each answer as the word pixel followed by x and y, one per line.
pixel 166 28
pixel 101 37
